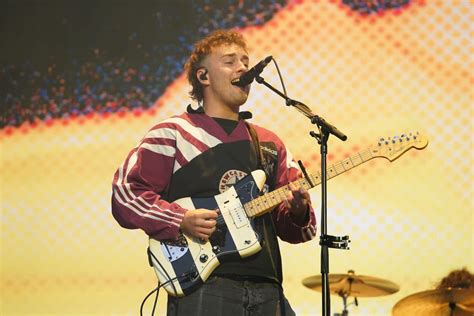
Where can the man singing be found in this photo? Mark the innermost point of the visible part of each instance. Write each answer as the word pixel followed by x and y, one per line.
pixel 201 153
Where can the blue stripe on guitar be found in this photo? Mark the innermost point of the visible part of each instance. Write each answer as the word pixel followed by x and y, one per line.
pixel 185 270
pixel 221 238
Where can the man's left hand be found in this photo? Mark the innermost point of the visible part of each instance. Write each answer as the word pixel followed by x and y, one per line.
pixel 298 201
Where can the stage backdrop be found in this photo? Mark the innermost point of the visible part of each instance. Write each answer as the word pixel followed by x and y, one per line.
pixel 373 75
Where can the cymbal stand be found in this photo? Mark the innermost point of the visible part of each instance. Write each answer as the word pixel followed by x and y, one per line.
pixel 344 295
pixel 452 307
pixel 345 312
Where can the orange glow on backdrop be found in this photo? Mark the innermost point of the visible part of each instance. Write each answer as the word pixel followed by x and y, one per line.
pixel 410 221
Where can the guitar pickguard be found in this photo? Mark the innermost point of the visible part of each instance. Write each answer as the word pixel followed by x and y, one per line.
pixel 175 249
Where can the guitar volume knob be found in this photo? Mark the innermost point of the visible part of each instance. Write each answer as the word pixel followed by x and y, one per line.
pixel 203 258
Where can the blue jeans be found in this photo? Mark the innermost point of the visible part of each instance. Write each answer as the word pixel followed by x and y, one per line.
pixel 223 296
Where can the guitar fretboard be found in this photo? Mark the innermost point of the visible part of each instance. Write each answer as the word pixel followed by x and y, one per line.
pixel 267 202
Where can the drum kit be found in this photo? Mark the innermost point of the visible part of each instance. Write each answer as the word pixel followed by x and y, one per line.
pixel 441 302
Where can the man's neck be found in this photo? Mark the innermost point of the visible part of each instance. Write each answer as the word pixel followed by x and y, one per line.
pixel 221 111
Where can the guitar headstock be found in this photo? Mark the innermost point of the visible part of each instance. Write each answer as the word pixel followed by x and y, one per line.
pixel 394 146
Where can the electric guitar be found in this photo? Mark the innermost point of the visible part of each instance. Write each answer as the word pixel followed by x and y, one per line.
pixel 183 264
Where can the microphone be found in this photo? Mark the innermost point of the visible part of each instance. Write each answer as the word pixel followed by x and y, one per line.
pixel 252 73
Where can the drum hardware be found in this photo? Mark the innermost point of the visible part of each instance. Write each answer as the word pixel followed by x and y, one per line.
pixel 441 302
pixel 352 285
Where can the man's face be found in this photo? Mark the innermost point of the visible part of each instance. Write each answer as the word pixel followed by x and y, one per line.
pixel 224 64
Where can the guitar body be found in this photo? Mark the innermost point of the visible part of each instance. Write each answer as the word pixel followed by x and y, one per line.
pixel 183 264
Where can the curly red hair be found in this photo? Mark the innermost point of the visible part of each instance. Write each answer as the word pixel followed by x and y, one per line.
pixel 202 49
pixel 457 279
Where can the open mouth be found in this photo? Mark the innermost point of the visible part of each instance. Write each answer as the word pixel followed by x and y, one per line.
pixel 245 89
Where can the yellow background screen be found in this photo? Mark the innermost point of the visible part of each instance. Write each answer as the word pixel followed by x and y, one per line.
pixel 410 220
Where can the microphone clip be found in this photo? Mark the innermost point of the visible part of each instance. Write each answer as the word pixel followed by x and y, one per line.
pixel 248 77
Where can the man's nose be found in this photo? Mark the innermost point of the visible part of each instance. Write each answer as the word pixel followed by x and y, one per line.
pixel 242 67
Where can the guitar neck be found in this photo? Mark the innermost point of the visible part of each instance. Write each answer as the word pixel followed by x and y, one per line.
pixel 267 202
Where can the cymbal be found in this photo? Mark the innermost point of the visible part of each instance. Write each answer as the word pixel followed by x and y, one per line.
pixel 437 303
pixel 353 285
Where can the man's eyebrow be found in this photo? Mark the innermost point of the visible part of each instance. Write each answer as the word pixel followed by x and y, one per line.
pixel 245 57
pixel 229 55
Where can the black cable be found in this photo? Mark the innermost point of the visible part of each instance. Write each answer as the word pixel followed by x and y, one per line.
pixel 162 268
pixel 148 295
pixel 186 275
pixel 281 78
pixel 156 300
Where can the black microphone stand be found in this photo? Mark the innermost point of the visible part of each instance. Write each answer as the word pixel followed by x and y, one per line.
pixel 326 241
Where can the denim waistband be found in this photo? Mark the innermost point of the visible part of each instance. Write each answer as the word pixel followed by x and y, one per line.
pixel 250 278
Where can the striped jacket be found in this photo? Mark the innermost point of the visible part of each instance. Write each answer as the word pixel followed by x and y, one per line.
pixel 191 155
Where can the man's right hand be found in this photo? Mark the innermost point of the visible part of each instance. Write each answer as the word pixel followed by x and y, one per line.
pixel 200 223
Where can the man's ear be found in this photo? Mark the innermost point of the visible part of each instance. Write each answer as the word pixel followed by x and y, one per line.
pixel 202 75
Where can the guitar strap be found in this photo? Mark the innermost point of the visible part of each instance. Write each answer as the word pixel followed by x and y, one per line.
pixel 256 145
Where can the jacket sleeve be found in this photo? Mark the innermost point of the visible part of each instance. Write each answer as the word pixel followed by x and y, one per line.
pixel 287 229
pixel 140 181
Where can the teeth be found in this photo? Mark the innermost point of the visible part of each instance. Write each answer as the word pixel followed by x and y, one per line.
pixel 235 80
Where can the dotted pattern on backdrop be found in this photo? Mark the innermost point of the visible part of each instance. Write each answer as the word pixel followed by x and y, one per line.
pixel 373 76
